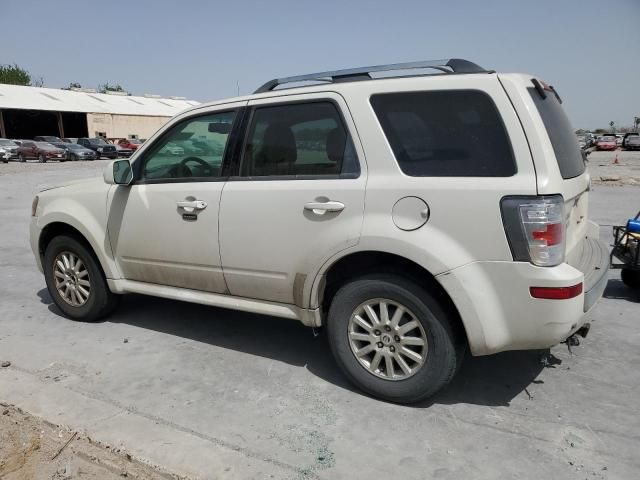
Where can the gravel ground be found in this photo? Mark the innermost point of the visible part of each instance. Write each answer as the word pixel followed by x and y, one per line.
pixel 32 449
pixel 605 169
pixel 211 393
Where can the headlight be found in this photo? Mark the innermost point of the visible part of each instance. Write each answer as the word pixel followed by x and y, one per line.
pixel 34 206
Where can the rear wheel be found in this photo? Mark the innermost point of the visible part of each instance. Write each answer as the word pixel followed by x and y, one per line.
pixel 75 280
pixel 392 338
pixel 631 278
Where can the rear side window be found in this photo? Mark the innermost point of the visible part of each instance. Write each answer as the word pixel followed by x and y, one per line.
pixel 453 133
pixel 298 139
pixel 563 140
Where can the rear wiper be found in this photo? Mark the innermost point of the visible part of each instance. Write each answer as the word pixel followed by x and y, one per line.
pixel 539 88
pixel 542 89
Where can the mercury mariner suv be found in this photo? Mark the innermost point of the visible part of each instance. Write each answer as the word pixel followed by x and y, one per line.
pixel 415 216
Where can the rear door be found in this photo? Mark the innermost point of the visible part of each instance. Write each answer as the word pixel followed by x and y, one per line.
pixel 296 199
pixel 29 150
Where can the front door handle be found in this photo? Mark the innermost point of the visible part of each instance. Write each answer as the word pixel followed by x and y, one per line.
pixel 320 208
pixel 192 205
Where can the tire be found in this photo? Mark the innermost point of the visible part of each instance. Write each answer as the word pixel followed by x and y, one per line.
pixel 441 356
pixel 21 158
pixel 631 278
pixel 42 159
pixel 100 301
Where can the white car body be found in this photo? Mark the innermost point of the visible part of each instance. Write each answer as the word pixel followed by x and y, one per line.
pixel 255 248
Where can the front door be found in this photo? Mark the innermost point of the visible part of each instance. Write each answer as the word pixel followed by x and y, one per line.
pixel 297 197
pixel 163 229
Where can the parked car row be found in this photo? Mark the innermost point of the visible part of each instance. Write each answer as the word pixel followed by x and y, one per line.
pixel 44 148
pixel 609 141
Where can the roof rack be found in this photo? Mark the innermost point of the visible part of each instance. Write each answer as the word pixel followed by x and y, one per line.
pixel 451 65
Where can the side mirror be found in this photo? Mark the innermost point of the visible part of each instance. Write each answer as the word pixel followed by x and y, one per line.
pixel 118 172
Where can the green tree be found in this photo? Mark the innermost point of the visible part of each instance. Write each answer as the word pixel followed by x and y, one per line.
pixel 14 75
pixel 108 87
pixel 74 85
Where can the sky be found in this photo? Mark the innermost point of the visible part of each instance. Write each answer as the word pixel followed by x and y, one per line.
pixel 207 50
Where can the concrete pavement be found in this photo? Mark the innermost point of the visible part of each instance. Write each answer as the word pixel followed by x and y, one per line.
pixel 211 393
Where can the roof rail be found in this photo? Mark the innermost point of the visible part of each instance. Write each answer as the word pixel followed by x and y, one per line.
pixel 451 65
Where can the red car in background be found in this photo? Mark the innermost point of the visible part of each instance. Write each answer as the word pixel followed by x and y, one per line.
pixel 42 151
pixel 131 143
pixel 606 142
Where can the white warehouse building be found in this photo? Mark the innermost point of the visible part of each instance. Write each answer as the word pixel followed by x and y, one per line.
pixel 26 112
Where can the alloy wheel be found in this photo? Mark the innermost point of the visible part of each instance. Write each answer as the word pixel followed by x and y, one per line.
pixel 72 279
pixel 387 339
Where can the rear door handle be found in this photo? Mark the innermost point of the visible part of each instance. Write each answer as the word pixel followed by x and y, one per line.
pixel 190 206
pixel 320 208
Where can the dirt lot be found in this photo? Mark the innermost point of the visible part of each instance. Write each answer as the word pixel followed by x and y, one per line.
pixel 210 393
pixel 616 168
pixel 32 449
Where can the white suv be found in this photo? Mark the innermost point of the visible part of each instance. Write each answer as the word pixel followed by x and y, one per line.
pixel 414 216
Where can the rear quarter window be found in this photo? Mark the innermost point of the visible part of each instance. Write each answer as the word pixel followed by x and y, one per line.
pixel 560 132
pixel 452 133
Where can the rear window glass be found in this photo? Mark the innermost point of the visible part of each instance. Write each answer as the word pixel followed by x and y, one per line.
pixel 563 140
pixel 453 133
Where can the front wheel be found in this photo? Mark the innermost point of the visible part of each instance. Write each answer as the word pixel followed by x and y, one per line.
pixel 631 278
pixel 42 159
pixel 21 158
pixel 392 338
pixel 75 280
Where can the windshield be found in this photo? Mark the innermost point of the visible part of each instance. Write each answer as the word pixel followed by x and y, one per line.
pixel 610 138
pixel 45 145
pixel 74 146
pixel 7 143
pixel 97 141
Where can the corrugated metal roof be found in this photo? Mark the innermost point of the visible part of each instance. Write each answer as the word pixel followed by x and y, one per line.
pixel 36 98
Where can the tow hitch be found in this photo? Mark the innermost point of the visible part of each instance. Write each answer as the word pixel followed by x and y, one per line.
pixel 574 339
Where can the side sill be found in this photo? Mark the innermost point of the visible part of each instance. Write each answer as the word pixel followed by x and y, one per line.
pixel 310 318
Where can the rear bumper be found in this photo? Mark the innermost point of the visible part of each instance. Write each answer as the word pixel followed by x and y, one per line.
pixel 591 258
pixel 500 314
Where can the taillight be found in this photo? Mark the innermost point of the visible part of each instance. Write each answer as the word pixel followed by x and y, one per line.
pixel 535 228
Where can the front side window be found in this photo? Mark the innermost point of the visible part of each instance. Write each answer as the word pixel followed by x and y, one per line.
pixel 192 148
pixel 298 140
pixel 449 133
